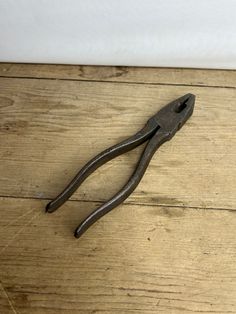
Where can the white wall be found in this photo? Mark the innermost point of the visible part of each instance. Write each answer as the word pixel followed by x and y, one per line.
pixel 185 33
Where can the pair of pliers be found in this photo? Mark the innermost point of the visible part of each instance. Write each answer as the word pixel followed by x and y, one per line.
pixel 158 129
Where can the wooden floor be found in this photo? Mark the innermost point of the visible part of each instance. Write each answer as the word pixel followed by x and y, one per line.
pixel 171 247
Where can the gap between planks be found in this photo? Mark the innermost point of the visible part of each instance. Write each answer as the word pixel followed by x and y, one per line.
pixel 126 203
pixel 143 75
pixel 116 82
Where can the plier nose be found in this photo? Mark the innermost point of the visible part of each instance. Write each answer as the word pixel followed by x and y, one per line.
pixel 158 129
pixel 174 115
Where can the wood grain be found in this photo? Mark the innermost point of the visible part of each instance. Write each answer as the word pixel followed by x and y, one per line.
pixel 167 76
pixel 6 306
pixel 170 248
pixel 49 129
pixel 136 259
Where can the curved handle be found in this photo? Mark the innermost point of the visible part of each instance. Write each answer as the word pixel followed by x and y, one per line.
pixel 157 140
pixel 105 156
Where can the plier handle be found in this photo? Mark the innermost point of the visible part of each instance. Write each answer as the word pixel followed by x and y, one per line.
pixel 158 129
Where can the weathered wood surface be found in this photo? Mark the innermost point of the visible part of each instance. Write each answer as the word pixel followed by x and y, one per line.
pixel 199 77
pixel 137 259
pixel 171 248
pixel 49 129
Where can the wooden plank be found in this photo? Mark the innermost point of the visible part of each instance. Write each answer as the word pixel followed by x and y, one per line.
pixel 136 259
pixel 49 129
pixel 200 77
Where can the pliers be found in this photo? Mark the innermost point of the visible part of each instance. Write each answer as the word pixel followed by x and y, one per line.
pixel 158 129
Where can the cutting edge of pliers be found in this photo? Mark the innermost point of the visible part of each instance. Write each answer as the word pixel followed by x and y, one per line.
pixel 158 129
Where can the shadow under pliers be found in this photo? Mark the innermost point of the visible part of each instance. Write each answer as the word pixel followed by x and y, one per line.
pixel 158 129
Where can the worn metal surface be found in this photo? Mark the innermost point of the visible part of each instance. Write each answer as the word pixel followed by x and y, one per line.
pixel 158 129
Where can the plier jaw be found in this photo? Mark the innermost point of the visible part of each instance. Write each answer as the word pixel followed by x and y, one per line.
pixel 174 115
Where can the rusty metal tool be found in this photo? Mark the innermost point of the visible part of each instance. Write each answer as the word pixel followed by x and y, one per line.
pixel 158 129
